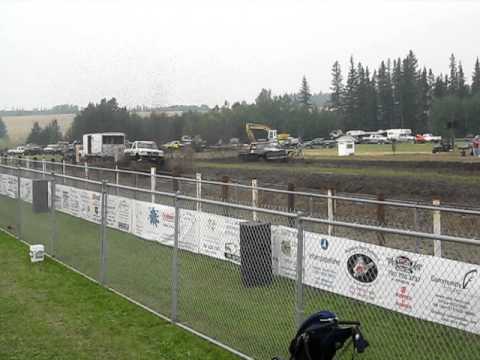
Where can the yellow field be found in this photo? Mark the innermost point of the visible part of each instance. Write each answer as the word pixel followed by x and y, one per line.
pixel 19 127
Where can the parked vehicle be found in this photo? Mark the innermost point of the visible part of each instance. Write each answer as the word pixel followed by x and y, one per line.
pixel 424 138
pixel 104 145
pixel 31 149
pixel 400 135
pixel 442 146
pixel 19 150
pixel 375 139
pixel 173 145
pixel 53 149
pixel 265 151
pixel 144 150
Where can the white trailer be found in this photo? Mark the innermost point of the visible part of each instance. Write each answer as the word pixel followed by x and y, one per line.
pixel 400 135
pixel 104 145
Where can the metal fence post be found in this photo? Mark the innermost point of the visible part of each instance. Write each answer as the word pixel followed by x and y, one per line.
pixel 254 198
pixel 53 217
pixel 175 259
pixel 103 233
pixel 299 306
pixel 198 183
pixel 86 169
pixel 437 229
pixel 153 179
pixel 19 206
pixel 27 163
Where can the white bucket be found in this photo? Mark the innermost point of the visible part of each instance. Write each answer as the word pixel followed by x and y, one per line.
pixel 37 253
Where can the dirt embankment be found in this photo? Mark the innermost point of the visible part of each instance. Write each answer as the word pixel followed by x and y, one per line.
pixel 401 187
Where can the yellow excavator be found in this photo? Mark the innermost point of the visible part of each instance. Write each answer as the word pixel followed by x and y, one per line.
pixel 266 144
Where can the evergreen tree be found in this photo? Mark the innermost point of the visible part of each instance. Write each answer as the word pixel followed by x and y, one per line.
pixel 385 96
pixel 351 97
pixel 476 78
pixel 409 92
pixel 453 81
pixel 462 86
pixel 425 102
pixel 305 96
pixel 397 94
pixel 336 88
pixel 35 134
pixel 3 129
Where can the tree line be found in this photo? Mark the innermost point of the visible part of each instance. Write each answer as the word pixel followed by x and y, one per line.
pixel 49 134
pixel 399 94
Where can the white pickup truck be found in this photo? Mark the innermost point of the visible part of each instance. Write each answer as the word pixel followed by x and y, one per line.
pixel 147 150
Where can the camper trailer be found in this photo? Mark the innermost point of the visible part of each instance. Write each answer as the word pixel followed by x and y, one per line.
pixel 400 135
pixel 104 145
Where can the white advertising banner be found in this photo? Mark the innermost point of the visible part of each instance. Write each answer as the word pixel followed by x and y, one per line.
pixel 8 185
pixel 119 213
pixel 26 190
pixel 284 251
pixel 154 222
pixel 431 288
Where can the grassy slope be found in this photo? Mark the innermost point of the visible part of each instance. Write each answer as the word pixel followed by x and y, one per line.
pixel 212 300
pixel 48 312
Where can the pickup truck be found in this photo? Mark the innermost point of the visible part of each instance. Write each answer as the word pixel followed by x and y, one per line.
pixel 147 150
pixel 19 150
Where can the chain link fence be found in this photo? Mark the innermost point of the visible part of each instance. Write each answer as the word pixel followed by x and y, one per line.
pixel 245 277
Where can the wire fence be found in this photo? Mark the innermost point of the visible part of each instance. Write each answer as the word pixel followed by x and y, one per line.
pixel 245 277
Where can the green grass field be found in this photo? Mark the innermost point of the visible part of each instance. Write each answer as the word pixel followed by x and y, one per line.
pixel 49 312
pixel 211 297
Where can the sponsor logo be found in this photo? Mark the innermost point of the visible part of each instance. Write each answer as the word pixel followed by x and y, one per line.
pixel 362 268
pixel 153 217
pixel 463 284
pixel 168 217
pixel 403 298
pixel 212 224
pixel 404 264
pixel 286 247
pixel 324 244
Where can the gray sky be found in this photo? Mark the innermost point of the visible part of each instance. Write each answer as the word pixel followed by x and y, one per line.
pixel 193 52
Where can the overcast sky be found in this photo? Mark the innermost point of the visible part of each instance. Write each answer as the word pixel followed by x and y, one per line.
pixel 194 52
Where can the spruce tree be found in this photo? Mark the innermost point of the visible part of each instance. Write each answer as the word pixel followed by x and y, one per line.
pixel 35 134
pixel 397 94
pixel 476 78
pixel 336 88
pixel 462 87
pixel 305 96
pixel 453 80
pixel 425 102
pixel 409 89
pixel 385 96
pixel 350 99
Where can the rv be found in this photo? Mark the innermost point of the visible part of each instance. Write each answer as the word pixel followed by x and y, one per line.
pixel 104 145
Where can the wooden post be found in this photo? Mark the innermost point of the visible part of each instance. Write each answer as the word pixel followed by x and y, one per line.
pixel 291 203
pixel 225 194
pixel 175 185
pixel 153 181
pixel 86 170
pixel 198 183
pixel 331 211
pixel 381 219
pixel 437 229
pixel 254 198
